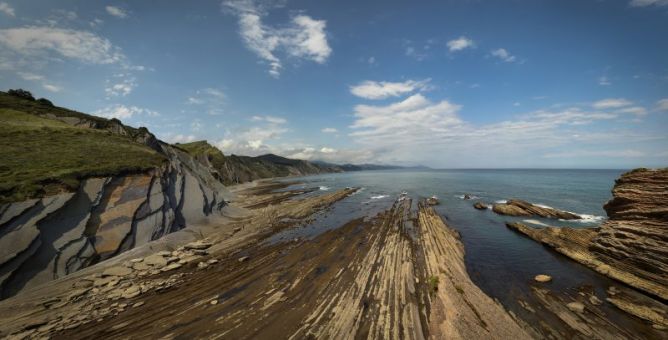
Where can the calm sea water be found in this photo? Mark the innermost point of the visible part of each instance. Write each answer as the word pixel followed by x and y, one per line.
pixel 500 261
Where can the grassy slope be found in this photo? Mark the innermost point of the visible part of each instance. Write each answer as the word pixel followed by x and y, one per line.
pixel 41 156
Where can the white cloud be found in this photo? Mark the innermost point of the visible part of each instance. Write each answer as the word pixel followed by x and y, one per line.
pixel 636 110
pixel 117 12
pixel 7 9
pixel 604 81
pixel 73 44
pixel 460 44
pixel 269 119
pixel 120 111
pixel 51 87
pixel 645 3
pixel 381 90
pixel 304 38
pixel 611 103
pixel 416 130
pixel 504 55
pixel 662 104
pixel 179 138
pixel 122 88
pixel 627 153
pixel 39 78
pixel 329 130
pixel 211 99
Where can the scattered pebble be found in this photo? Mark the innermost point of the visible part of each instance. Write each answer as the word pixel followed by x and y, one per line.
pixel 576 307
pixel 543 278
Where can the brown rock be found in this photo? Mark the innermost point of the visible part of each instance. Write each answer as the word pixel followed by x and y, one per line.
pixel 155 260
pixel 480 206
pixel 543 278
pixel 576 307
pixel 516 207
pixel 117 271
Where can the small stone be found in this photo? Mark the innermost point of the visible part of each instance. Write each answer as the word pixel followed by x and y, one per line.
pixel 138 304
pixel 202 265
pixel 198 245
pixel 595 300
pixel 141 266
pixel 214 302
pixel 576 307
pixel 212 261
pixel 131 292
pixel 244 258
pixel 155 260
pixel 137 260
pixel 543 278
pixel 238 229
pixel 172 266
pixel 613 290
pixel 164 253
pixel 117 271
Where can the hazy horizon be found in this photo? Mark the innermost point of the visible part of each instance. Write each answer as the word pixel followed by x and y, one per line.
pixel 446 84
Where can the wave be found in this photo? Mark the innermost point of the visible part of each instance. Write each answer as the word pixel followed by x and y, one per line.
pixel 324 188
pixel 471 197
pixel 378 197
pixel 585 218
pixel 501 201
pixel 536 222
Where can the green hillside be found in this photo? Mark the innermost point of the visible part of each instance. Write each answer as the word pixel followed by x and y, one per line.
pixel 40 156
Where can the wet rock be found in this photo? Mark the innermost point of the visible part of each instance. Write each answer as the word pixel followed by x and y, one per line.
pixel 480 206
pixel 202 265
pixel 138 304
pixel 516 207
pixel 595 300
pixel 543 278
pixel 214 302
pixel 577 307
pixel 212 261
pixel 244 258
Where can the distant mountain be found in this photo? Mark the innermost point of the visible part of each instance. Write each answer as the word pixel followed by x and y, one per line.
pixel 235 169
pixel 366 166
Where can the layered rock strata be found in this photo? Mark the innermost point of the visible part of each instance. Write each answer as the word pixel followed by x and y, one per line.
pixel 516 207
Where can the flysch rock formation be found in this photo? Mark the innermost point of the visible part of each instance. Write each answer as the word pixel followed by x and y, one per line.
pixel 632 246
pixel 44 239
pixel 515 207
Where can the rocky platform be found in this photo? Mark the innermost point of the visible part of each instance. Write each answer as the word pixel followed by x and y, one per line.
pixel 631 247
pixel 396 275
pixel 515 207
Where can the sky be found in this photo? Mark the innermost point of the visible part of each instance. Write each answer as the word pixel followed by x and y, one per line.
pixel 446 84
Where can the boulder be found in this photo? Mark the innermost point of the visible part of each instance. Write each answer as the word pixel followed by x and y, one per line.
pixel 543 278
pixel 480 206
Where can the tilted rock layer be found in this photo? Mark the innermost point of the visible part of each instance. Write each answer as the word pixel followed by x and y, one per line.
pixel 632 246
pixel 521 208
pixel 44 239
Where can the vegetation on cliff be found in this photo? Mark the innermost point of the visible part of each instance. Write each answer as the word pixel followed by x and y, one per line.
pixel 41 156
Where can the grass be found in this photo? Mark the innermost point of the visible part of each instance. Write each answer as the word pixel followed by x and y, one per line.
pixel 40 156
pixel 204 149
pixel 432 283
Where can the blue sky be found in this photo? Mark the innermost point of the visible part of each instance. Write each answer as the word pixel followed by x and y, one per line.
pixel 451 84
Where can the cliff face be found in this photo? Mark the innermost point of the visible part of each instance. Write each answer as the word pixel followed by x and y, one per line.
pixel 233 169
pixel 99 216
pixel 632 246
pixel 635 237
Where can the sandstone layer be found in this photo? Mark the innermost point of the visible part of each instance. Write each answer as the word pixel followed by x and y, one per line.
pixel 516 207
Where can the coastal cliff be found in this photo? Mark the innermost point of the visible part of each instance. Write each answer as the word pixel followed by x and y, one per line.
pixel 631 245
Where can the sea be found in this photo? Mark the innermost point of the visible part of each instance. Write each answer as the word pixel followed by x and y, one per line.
pixel 501 262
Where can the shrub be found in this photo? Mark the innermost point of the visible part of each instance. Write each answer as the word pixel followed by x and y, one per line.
pixel 45 102
pixel 21 93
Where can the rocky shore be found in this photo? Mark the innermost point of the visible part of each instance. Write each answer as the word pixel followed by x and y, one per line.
pixel 515 207
pixel 630 247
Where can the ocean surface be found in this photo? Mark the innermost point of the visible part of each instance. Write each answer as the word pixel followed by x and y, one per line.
pixel 500 261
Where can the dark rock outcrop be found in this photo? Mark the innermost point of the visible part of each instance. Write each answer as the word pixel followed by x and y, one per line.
pixel 632 246
pixel 516 207
pixel 480 206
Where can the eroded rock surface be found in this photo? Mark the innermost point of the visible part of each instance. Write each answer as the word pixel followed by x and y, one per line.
pixel 516 207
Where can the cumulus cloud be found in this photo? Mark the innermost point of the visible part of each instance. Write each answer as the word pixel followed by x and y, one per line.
pixel 381 90
pixel 41 79
pixel 504 55
pixel 122 88
pixel 117 12
pixel 79 45
pixel 211 99
pixel 646 3
pixel 121 112
pixel 611 103
pixel 303 38
pixel 416 130
pixel 7 9
pixel 460 44
pixel 269 119
pixel 662 104
pixel 635 110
